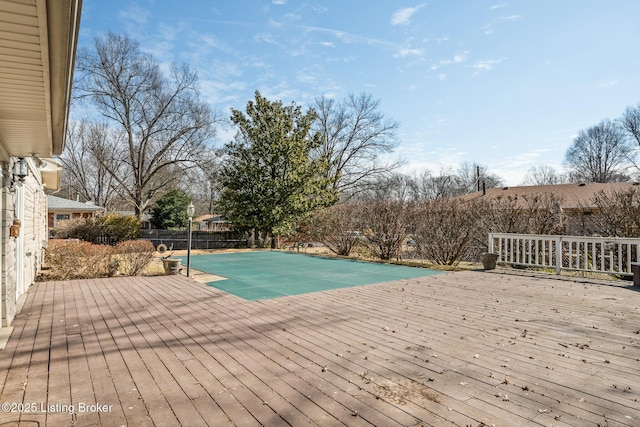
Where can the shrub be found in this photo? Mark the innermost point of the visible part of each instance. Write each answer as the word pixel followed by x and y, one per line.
pixel 111 229
pixel 444 231
pixel 337 227
pixel 134 255
pixel 617 213
pixel 386 223
pixel 119 228
pixel 78 228
pixel 76 259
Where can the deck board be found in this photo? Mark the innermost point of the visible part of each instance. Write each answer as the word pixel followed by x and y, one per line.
pixel 458 349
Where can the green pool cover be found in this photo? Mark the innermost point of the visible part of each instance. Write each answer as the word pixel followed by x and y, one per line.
pixel 267 274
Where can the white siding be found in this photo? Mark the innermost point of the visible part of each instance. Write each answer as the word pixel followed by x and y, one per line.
pixel 33 233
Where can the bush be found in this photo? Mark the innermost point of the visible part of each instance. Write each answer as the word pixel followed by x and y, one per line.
pixel 617 213
pixel 337 227
pixel 445 231
pixel 76 259
pixel 386 226
pixel 110 229
pixel 134 256
pixel 85 229
pixel 119 228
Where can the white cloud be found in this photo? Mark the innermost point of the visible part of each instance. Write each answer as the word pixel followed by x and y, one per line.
pixel 212 42
pixel 305 77
pixel 403 16
pixel 525 159
pixel 461 57
pixel 485 65
pixel 223 92
pixel 264 38
pixel 511 18
pixel 498 6
pixel 608 84
pixel 135 14
pixel 493 27
pixel 350 38
pixel 278 2
pixel 405 51
pixel 457 59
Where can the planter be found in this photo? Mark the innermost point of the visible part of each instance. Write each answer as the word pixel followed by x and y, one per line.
pixel 489 260
pixel 171 266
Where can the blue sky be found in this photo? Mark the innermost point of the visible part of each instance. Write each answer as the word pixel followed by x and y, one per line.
pixel 506 84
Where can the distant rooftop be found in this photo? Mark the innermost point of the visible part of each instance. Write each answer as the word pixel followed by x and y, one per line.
pixel 61 204
pixel 574 196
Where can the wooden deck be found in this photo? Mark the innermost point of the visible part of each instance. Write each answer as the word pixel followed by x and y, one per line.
pixel 457 349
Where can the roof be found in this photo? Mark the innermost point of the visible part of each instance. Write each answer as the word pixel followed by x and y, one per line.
pixel 574 195
pixel 60 204
pixel 209 218
pixel 37 54
pixel 145 215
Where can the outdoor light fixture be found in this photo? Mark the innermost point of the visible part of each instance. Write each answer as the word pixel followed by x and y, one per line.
pixel 20 170
pixel 191 210
pixel 18 174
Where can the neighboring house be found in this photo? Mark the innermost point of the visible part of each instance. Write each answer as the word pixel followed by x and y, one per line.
pixel 211 222
pixel 37 52
pixel 578 200
pixel 60 209
pixel 574 196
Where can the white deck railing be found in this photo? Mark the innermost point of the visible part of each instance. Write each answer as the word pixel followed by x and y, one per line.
pixel 612 255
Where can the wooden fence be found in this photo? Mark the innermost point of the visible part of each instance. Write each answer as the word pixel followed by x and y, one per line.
pixel 177 239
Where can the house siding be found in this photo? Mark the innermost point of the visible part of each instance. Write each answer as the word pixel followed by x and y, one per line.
pixel 28 204
pixel 8 249
pixel 35 231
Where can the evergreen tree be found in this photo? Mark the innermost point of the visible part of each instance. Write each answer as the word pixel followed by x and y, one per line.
pixel 270 178
pixel 170 211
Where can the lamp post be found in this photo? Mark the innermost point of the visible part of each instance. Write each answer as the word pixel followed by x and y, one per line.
pixel 190 211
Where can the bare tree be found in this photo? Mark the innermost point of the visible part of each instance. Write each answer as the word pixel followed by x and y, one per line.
pixel 426 186
pixel 87 151
pixel 630 122
pixel 204 190
pixel 395 186
pixel 471 177
pixel 356 134
pixel 467 179
pixel 601 153
pixel 544 175
pixel 164 128
pixel 202 184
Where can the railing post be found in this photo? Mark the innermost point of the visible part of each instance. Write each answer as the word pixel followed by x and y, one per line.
pixel 490 243
pixel 558 240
